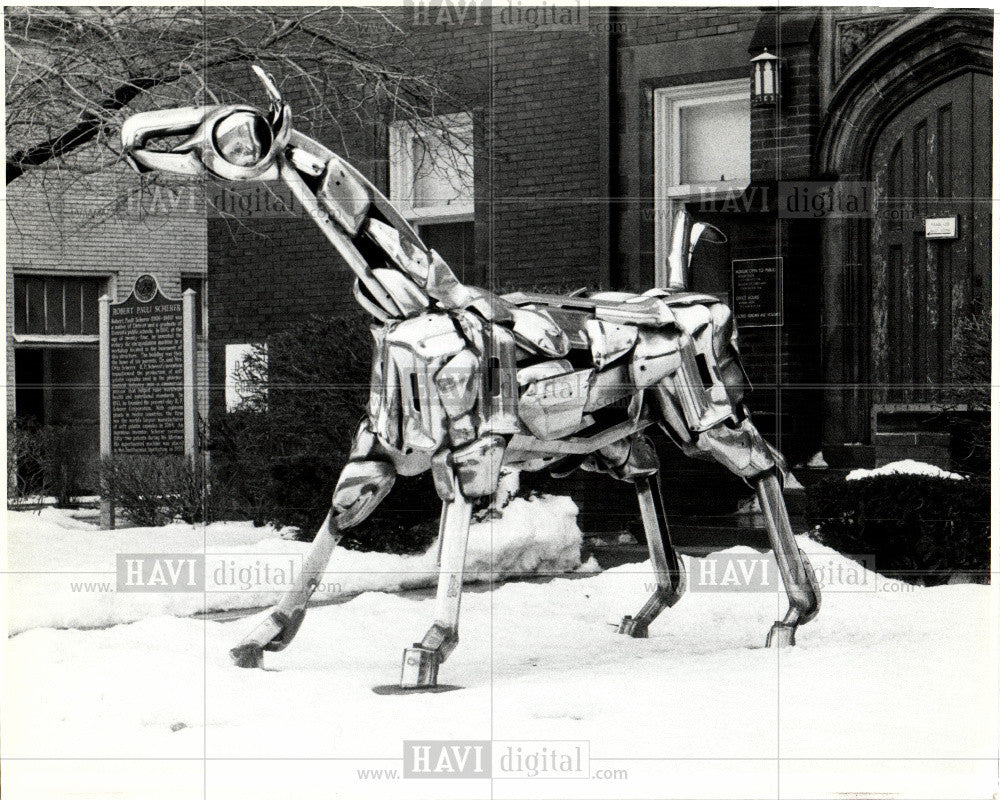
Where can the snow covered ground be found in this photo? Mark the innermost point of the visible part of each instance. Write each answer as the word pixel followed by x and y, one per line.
pixel 888 691
pixel 64 570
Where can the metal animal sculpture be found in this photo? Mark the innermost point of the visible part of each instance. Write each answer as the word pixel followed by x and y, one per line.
pixel 465 382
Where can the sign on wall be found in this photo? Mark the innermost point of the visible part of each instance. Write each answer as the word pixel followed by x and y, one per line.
pixel 757 292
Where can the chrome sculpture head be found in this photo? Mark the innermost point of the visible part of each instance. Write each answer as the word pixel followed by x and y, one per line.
pixel 232 142
pixel 685 235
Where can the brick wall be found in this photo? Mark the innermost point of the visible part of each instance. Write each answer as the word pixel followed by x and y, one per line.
pixel 82 228
pixel 784 136
pixel 786 361
pixel 548 183
pixel 646 26
pixel 77 226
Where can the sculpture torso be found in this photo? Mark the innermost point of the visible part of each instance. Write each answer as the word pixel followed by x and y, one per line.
pixel 549 378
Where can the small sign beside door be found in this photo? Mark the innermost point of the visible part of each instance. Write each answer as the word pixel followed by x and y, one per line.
pixel 757 292
pixel 941 228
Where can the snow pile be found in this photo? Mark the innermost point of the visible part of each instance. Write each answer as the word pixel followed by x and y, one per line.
pixel 888 691
pixel 905 467
pixel 817 461
pixel 64 570
pixel 32 501
pixel 532 536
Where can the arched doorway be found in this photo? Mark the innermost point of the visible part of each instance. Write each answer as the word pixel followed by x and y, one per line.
pixel 912 117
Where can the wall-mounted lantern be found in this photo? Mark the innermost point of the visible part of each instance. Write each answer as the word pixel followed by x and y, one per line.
pixel 764 86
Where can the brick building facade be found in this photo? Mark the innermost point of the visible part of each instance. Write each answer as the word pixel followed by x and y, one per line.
pixel 572 126
pixel 587 132
pixel 68 243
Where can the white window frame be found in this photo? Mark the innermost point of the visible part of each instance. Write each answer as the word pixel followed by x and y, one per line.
pixel 61 339
pixel 669 193
pixel 402 170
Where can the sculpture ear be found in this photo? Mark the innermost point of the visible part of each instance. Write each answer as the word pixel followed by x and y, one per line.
pixel 702 231
pixel 269 86
pixel 280 116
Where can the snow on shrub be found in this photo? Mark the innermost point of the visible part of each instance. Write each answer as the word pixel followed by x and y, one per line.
pixel 905 467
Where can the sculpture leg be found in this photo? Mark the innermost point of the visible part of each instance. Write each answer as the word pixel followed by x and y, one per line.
pixel 470 471
pixel 275 632
pixel 744 451
pixel 421 662
pixel 796 572
pixel 362 485
pixel 667 566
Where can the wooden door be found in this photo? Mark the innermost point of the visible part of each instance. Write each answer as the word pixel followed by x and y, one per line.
pixel 932 161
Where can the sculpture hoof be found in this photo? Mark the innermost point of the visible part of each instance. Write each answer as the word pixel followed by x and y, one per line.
pixel 248 656
pixel 634 628
pixel 781 635
pixel 420 668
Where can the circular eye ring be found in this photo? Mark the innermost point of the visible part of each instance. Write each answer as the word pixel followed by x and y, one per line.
pixel 234 143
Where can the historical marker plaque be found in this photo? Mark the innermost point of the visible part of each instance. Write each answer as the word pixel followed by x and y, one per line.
pixel 147 372
pixel 757 296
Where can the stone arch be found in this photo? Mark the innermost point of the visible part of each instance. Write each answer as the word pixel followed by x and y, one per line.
pixel 896 69
pixel 905 61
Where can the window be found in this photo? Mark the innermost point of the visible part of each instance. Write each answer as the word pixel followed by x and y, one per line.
pixel 702 149
pixel 56 308
pixel 200 286
pixel 431 183
pixel 431 168
pixel 56 362
pixel 455 242
pixel 238 392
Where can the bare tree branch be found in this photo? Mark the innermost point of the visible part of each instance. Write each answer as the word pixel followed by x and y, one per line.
pixel 74 73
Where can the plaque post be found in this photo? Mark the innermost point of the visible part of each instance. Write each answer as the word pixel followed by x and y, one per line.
pixel 190 395
pixel 104 379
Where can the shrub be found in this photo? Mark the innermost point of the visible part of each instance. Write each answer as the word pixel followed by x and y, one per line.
pixel 918 529
pixel 970 372
pixel 44 460
pixel 277 458
pixel 155 490
pixel 26 460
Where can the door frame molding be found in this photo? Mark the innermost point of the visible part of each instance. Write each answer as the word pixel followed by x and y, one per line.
pixel 906 62
pixel 933 48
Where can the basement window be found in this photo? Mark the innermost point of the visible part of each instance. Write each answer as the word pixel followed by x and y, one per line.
pixel 240 394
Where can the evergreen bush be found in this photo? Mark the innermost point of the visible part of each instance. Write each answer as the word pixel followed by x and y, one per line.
pixel 918 529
